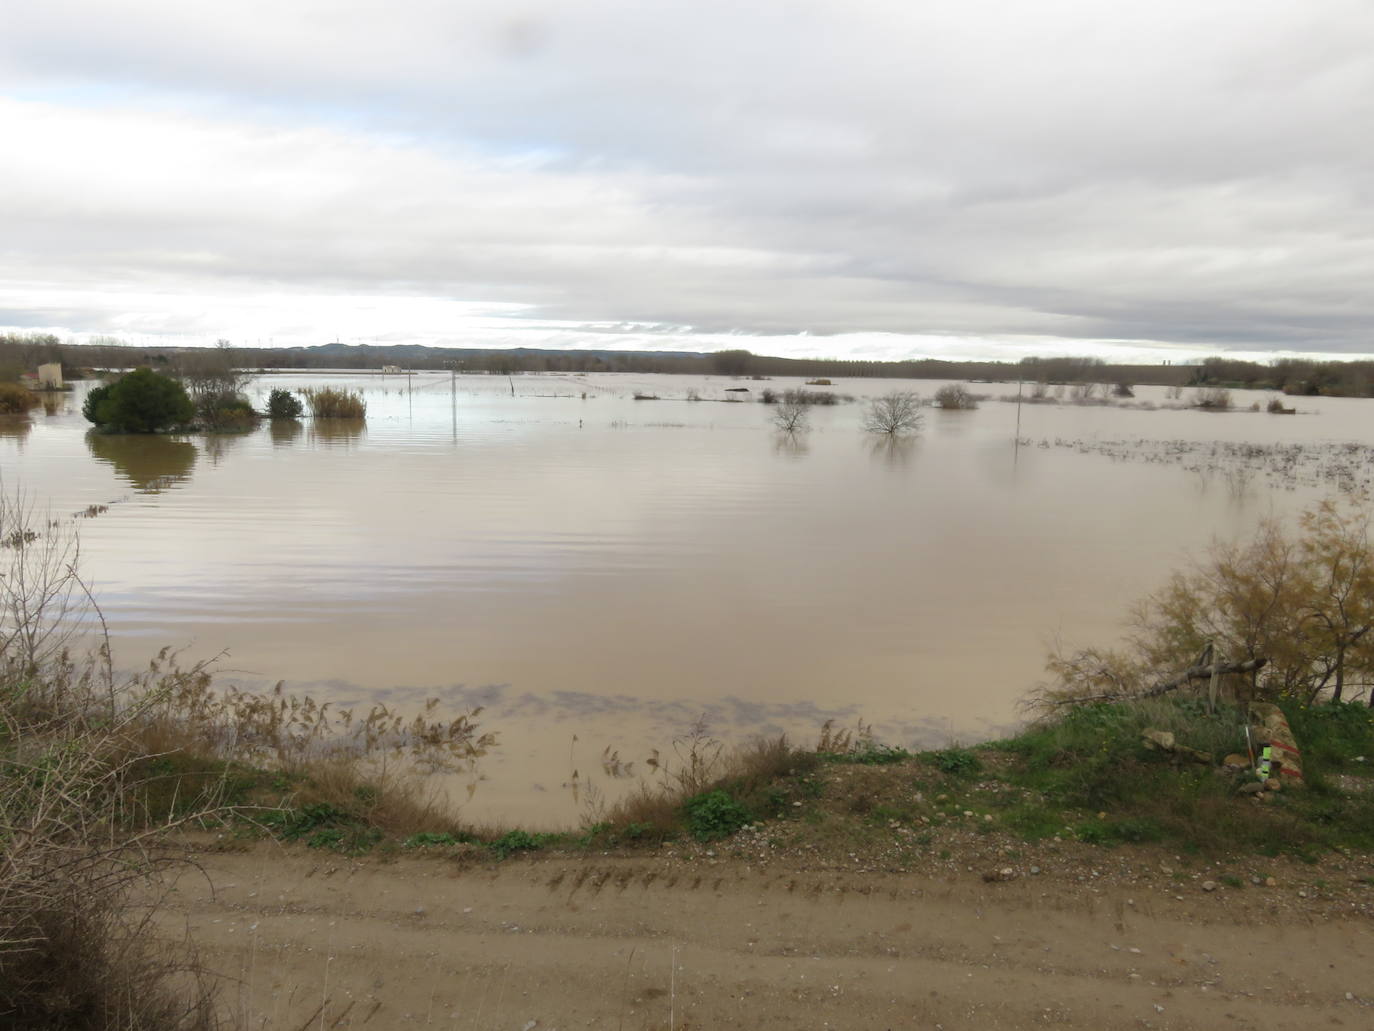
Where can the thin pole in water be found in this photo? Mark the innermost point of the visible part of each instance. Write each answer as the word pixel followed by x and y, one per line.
pixel 1016 447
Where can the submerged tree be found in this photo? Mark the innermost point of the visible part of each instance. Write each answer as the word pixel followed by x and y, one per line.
pixel 791 416
pixel 215 385
pixel 141 402
pixel 897 412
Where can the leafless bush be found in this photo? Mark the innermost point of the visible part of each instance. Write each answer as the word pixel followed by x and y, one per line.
pixel 1216 399
pixel 215 385
pixel 894 413
pixel 791 417
pixel 40 596
pixel 810 397
pixel 955 397
pixel 74 851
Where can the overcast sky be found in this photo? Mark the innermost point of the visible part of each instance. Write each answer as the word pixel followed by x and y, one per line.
pixel 981 178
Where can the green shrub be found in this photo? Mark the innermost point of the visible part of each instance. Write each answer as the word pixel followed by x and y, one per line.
pixel 226 412
pixel 713 815
pixel 1334 735
pixel 95 397
pixel 957 762
pixel 282 404
pixel 868 753
pixel 518 841
pixel 141 402
pixel 432 839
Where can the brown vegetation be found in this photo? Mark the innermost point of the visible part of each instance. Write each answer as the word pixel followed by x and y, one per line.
pixel 1213 399
pixel 791 416
pixel 334 403
pixel 701 766
pixel 894 413
pixel 96 770
pixel 17 400
pixel 1302 601
pixel 955 397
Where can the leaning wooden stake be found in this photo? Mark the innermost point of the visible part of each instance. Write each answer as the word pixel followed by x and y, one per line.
pixel 1174 683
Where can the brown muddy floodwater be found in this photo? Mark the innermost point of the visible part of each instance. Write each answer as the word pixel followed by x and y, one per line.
pixel 599 572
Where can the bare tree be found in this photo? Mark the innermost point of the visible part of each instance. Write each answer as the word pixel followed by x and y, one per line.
pixel 894 413
pixel 791 416
pixel 216 386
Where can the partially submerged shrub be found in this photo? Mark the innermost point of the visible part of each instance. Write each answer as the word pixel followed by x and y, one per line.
pixel 955 397
pixel 810 397
pixel 141 402
pixel 335 403
pixel 1215 399
pixel 894 413
pixel 282 404
pixel 216 386
pixel 225 412
pixel 790 417
pixel 17 400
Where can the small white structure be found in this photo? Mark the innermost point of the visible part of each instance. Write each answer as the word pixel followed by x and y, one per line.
pixel 388 370
pixel 50 376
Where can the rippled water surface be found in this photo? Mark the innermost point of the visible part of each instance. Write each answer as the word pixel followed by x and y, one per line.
pixel 600 571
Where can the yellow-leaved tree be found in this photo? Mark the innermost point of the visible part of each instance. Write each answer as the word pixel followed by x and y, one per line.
pixel 1302 601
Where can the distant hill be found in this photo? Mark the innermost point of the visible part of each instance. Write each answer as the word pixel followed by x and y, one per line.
pixel 425 351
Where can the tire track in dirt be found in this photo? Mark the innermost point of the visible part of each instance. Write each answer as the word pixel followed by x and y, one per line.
pixel 636 943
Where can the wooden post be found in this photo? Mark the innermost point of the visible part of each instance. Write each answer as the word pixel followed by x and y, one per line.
pixel 1216 679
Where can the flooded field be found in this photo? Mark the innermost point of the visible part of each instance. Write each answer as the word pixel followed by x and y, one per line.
pixel 599 571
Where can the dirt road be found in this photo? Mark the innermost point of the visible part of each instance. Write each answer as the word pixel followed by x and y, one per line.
pixel 315 941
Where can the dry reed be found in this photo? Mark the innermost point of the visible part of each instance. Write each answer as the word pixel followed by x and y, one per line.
pixel 335 403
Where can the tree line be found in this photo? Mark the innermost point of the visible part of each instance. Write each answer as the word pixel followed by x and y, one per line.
pixel 24 351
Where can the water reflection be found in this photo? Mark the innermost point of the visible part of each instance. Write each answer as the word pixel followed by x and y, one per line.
pixel 337 432
pixel 217 445
pixel 284 431
pixel 791 445
pixel 53 403
pixel 953 422
pixel 16 426
pixel 151 463
pixel 892 450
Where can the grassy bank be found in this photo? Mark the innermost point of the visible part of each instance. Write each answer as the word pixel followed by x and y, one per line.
pixel 1088 776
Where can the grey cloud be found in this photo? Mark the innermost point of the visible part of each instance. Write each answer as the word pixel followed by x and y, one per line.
pixel 1176 172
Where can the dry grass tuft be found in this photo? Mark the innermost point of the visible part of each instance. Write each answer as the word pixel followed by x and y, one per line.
pixel 655 810
pixel 98 772
pixel 17 400
pixel 333 403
